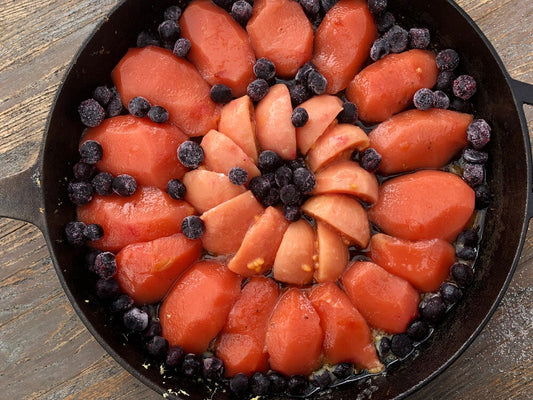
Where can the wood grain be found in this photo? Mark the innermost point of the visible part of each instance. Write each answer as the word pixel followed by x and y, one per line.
pixel 45 350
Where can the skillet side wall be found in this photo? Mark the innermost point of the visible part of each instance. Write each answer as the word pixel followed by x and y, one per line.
pixel 507 177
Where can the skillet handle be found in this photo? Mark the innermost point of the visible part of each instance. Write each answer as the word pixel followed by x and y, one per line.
pixel 522 91
pixel 21 196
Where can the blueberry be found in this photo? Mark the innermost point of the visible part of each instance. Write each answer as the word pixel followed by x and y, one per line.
pixel 418 330
pixel 321 379
pixel 441 99
pixel 89 258
pixel 260 186
pixel 272 198
pixel 475 156
pixel 221 93
pixel 172 13
pixel 115 106
pixel 239 384
pixel 146 39
pixel 462 273
pixel 283 176
pixel 151 310
pixel 292 213
pixel 91 113
pixel 175 355
pixel 190 154
pixel 169 30
pixel 348 114
pixel 135 319
pixel 327 4
pixel 93 232
pixel 460 105
pixel 466 252
pixel 445 80
pixel 83 171
pixel 278 383
pixel 304 180
pixel 384 346
pixel 297 163
pixel 80 192
pixel 182 47
pixel 272 179
pixel 105 265
pixel 297 385
pixel 377 6
pixel 124 185
pixel 158 114
pixel 107 289
pixel 432 309
pixel 464 86
pixel 193 227
pixel 91 152
pixel 74 233
pixel 290 195
pixel 447 60
pixel 268 161
pixel 154 328
pixel 299 117
pixel 176 189
pixel 397 38
pixel 419 38
pixel 257 89
pixel 122 304
pixel 401 345
pixel 302 75
pixel 264 69
pixel 157 346
pixel 139 107
pixel 468 237
pixel 238 176
pixel 310 7
pixel 103 183
pixel 384 21
pixel 380 48
pixel 473 174
pixel 424 99
pixel 478 133
pixel 259 384
pixel 370 159
pixel 343 370
pixel 241 11
pixel 316 82
pixel 483 196
pixel 103 95
pixel 213 368
pixel 191 365
pixel 299 93
pixel 450 293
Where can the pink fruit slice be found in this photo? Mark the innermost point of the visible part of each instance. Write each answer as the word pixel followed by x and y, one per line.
pixel 349 178
pixel 347 337
pixel 385 300
pixel 237 122
pixel 220 47
pixel 417 139
pixel 207 189
pixel 322 112
pixel 275 130
pixel 332 252
pixel 168 81
pixel 295 261
pixel 338 142
pixel 260 244
pixel 221 154
pixel 227 223
pixel 343 213
pixel 294 336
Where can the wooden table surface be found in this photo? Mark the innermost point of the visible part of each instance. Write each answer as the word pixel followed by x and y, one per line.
pixel 45 350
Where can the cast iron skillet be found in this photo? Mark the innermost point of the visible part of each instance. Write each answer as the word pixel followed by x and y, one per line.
pixel 38 195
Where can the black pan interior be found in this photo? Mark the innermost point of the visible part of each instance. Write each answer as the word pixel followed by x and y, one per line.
pixel 505 219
